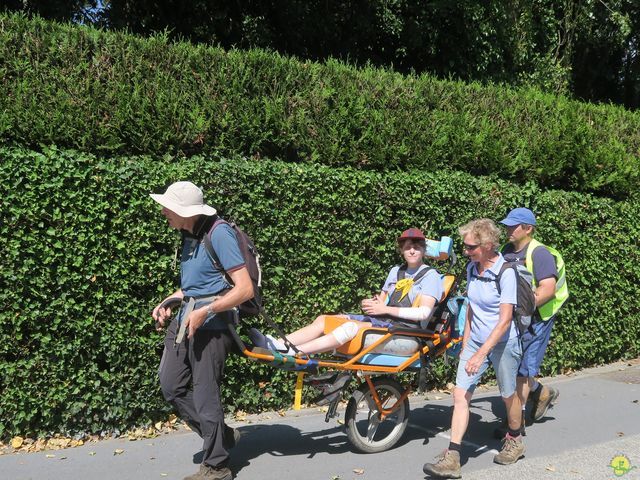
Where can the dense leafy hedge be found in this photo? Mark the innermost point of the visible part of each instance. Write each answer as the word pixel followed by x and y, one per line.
pixel 86 255
pixel 114 93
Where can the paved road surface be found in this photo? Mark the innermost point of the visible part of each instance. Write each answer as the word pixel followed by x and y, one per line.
pixel 596 419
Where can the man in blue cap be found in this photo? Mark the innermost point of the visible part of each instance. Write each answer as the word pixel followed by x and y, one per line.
pixel 547 267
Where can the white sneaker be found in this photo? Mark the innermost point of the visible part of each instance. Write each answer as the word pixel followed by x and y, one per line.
pixel 278 345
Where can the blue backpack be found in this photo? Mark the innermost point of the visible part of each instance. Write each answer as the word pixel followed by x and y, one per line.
pixel 457 306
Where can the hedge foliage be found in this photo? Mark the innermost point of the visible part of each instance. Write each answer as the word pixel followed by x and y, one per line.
pixel 86 256
pixel 111 93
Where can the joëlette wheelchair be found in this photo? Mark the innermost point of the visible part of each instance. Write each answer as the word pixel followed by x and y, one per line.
pixel 377 411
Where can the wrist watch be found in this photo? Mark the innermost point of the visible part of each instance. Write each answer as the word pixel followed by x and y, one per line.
pixel 210 308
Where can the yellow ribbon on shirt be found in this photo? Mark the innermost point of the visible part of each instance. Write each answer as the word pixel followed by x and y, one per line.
pixel 405 286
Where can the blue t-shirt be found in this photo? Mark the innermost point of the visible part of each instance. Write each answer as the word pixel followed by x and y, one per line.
pixel 430 284
pixel 198 275
pixel 485 300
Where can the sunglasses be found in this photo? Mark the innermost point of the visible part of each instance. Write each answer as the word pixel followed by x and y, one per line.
pixel 469 248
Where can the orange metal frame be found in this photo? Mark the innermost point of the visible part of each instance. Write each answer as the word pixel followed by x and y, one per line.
pixel 352 363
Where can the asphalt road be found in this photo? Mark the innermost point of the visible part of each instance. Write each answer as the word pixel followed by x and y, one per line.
pixel 596 419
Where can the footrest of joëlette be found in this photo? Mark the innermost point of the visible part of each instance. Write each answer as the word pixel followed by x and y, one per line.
pixel 285 362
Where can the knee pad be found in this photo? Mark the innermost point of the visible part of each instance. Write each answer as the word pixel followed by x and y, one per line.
pixel 345 332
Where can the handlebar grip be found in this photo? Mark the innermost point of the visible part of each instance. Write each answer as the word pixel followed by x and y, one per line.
pixel 171 302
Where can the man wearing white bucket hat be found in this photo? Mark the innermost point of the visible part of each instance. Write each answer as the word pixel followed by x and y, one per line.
pixel 197 340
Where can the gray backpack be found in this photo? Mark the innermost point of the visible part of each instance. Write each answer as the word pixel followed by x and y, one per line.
pixel 526 300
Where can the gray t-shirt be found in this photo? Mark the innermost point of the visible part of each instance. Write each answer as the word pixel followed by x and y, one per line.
pixel 430 284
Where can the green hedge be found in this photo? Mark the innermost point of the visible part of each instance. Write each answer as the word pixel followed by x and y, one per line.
pixel 118 94
pixel 86 256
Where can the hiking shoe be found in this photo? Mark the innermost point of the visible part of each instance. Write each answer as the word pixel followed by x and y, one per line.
pixel 512 451
pixel 258 338
pixel 231 437
pixel 447 466
pixel 542 399
pixel 211 473
pixel 267 342
pixel 503 429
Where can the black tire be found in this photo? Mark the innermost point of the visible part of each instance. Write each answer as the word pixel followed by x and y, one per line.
pixel 365 432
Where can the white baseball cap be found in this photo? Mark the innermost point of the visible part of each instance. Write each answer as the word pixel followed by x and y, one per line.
pixel 185 199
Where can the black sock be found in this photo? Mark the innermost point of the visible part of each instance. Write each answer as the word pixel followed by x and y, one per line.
pixel 538 389
pixel 456 447
pixel 513 433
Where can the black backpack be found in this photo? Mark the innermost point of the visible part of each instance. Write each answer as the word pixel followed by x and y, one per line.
pixel 526 300
pixel 253 306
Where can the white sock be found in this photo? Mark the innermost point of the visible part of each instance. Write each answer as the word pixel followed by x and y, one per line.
pixel 275 343
pixel 278 344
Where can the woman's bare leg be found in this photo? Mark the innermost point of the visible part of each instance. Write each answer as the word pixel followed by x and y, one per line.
pixel 312 331
pixel 326 342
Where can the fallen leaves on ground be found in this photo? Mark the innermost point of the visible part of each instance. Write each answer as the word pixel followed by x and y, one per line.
pixel 140 433
pixel 20 444
pixel 240 415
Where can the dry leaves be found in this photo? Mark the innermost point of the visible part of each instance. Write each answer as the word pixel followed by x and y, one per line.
pixel 57 442
pixel 20 444
pixel 140 433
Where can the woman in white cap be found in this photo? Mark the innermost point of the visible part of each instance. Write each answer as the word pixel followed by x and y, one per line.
pixel 395 304
pixel 192 365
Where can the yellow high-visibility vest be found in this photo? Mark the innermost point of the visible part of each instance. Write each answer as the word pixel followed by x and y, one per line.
pixel 550 308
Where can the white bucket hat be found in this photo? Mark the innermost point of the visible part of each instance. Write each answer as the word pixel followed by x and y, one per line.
pixel 185 199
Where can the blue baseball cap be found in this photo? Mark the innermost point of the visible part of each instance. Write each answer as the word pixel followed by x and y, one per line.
pixel 519 216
